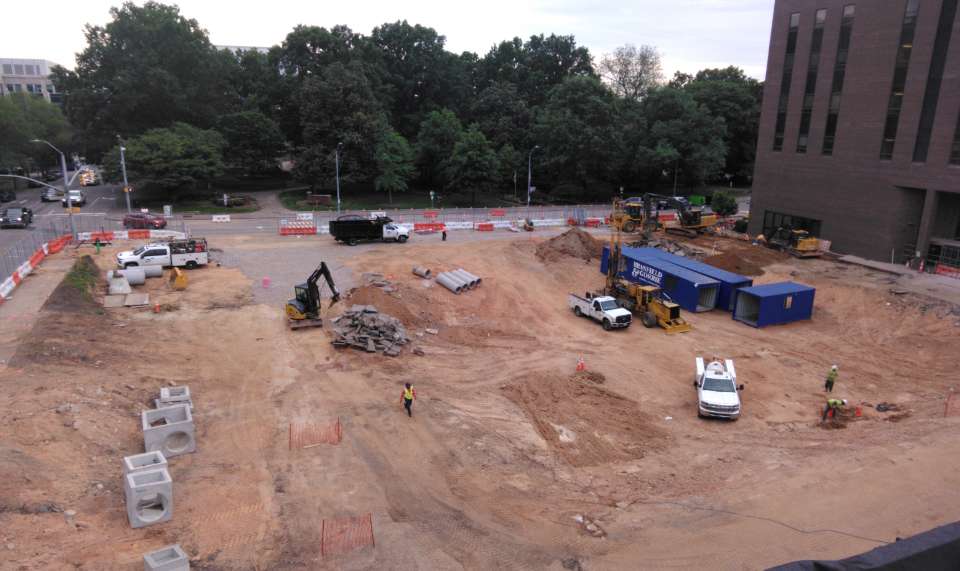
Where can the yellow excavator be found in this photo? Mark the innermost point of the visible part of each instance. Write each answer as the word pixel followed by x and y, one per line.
pixel 644 300
pixel 304 309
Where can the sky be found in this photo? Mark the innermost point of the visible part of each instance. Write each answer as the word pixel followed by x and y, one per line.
pixel 690 34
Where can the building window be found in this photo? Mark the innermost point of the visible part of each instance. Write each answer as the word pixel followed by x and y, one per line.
pixel 810 88
pixel 17 88
pixel 782 104
pixel 18 68
pixel 932 93
pixel 955 151
pixel 839 69
pixel 899 79
pixel 773 221
pixel 7 69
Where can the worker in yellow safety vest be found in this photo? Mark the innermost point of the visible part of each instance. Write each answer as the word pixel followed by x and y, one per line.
pixel 408 396
pixel 831 378
pixel 833 405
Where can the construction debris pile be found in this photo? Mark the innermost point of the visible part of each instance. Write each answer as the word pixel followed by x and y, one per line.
pixel 377 280
pixel 672 247
pixel 363 327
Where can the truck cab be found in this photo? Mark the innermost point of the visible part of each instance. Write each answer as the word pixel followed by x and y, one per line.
pixel 717 389
pixel 602 308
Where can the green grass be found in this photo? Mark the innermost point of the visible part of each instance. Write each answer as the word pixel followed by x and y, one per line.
pixel 352 200
pixel 82 277
pixel 198 206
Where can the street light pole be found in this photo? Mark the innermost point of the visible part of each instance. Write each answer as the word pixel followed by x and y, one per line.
pixel 337 166
pixel 530 174
pixel 123 169
pixel 66 190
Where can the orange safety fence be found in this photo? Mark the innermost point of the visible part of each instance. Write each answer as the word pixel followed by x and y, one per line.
pixel 299 227
pixel 345 534
pixel 430 213
pixel 308 434
pixel 138 234
pixel 102 236
pixel 429 226
pixel 37 257
pixel 498 212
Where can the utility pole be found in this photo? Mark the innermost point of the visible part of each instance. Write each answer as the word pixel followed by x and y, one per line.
pixel 530 174
pixel 676 165
pixel 337 166
pixel 66 189
pixel 123 169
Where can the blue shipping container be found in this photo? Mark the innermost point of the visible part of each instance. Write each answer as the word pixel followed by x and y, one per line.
pixel 690 290
pixel 773 304
pixel 729 281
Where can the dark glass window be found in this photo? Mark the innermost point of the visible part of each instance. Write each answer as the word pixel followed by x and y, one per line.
pixel 784 100
pixel 932 93
pixel 899 78
pixel 955 151
pixel 810 87
pixel 839 69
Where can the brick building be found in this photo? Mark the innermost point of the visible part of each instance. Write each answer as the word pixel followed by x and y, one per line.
pixel 860 128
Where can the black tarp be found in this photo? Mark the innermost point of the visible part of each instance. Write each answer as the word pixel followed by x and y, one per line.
pixel 934 550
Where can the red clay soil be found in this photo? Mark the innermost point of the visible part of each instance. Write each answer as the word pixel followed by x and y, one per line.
pixel 574 243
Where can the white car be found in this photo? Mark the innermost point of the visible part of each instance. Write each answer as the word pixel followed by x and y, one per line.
pixel 73 198
pixel 717 389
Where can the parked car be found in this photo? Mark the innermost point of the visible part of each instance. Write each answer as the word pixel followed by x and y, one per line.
pixel 15 217
pixel 51 195
pixel 144 220
pixel 717 389
pixel 7 196
pixel 603 309
pixel 76 198
pixel 51 176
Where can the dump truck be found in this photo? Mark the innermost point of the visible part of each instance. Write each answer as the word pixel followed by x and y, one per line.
pixel 351 229
pixel 601 308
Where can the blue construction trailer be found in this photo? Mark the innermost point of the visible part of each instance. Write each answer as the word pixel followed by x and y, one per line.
pixel 729 281
pixel 688 289
pixel 773 304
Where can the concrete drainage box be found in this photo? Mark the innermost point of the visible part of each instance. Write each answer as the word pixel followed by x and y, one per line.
pixel 170 396
pixel 773 304
pixel 146 461
pixel 169 430
pixel 149 497
pixel 169 558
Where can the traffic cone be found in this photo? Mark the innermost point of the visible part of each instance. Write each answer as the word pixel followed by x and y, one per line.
pixel 581 366
pixel 156 307
pixel 858 413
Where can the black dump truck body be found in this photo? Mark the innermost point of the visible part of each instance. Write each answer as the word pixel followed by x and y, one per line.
pixel 352 229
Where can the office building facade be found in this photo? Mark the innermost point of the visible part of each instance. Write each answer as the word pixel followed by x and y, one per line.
pixel 30 76
pixel 859 137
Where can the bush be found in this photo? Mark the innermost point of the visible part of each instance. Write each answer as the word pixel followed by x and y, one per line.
pixel 741 225
pixel 724 203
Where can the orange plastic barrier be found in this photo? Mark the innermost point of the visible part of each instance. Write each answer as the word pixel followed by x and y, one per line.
pixel 592 222
pixel 498 212
pixel 102 236
pixel 429 227
pixel 37 257
pixel 484 227
pixel 138 234
pixel 430 213
pixel 571 222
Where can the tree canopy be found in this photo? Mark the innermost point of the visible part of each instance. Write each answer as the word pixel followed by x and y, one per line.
pixel 324 88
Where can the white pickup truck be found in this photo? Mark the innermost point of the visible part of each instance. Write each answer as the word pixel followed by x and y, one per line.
pixel 188 253
pixel 601 308
pixel 716 384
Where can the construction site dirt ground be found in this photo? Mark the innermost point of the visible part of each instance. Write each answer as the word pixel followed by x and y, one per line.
pixel 511 460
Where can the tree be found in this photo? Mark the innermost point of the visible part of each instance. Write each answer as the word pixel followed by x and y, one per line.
pixel 394 163
pixel 23 118
pixel 723 203
pixel 337 106
pixel 253 141
pixel 730 94
pixel 683 135
pixel 148 67
pixel 631 71
pixel 535 66
pixel 578 132
pixel 473 165
pixel 502 115
pixel 439 133
pixel 170 158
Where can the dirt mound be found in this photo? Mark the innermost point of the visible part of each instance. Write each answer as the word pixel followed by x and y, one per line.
pixel 574 243
pixel 409 306
pixel 75 292
pixel 586 424
pixel 734 263
pixel 745 258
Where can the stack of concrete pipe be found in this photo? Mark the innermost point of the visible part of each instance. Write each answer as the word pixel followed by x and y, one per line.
pixel 458 280
pixel 121 280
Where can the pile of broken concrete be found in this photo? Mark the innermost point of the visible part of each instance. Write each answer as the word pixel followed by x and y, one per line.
pixel 363 327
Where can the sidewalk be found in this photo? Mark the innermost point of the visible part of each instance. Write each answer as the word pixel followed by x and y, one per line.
pixel 938 287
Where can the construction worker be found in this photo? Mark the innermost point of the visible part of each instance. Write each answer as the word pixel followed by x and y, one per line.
pixel 408 396
pixel 443 234
pixel 833 405
pixel 831 378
